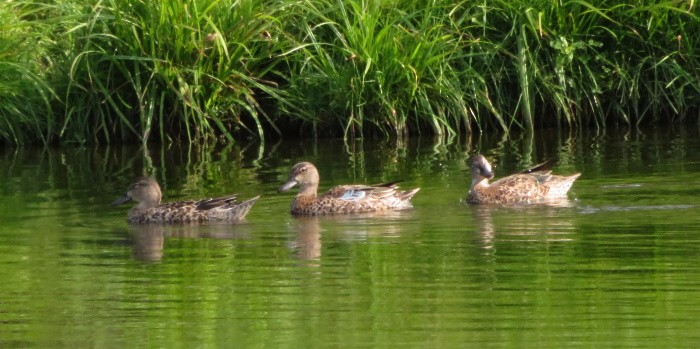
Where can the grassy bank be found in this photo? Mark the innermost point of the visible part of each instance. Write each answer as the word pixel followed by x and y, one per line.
pixel 130 70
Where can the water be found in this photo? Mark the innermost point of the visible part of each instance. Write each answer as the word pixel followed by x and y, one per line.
pixel 618 266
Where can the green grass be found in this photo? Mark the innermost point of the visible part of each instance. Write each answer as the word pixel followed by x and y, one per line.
pixel 370 63
pixel 136 70
pixel 189 69
pixel 26 96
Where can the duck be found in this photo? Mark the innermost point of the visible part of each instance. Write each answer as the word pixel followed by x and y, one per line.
pixel 343 199
pixel 534 185
pixel 146 192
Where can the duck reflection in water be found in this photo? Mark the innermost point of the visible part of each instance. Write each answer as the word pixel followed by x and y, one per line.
pixel 148 243
pixel 550 222
pixel 308 244
pixel 149 239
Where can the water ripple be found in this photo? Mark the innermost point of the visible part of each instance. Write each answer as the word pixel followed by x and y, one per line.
pixel 613 208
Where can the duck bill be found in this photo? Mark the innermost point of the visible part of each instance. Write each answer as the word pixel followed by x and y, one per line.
pixel 287 186
pixel 121 200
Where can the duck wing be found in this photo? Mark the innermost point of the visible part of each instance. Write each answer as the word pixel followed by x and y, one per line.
pixel 520 187
pixel 208 204
pixel 358 192
pixel 543 167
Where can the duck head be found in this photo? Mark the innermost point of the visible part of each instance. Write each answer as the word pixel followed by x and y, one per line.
pixel 145 191
pixel 480 168
pixel 305 175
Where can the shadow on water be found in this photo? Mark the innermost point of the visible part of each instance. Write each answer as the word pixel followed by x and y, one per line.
pixel 198 168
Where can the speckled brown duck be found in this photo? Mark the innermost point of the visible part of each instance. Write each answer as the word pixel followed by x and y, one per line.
pixel 343 199
pixel 534 185
pixel 146 192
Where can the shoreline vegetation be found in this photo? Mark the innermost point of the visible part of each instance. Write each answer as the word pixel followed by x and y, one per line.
pixel 113 71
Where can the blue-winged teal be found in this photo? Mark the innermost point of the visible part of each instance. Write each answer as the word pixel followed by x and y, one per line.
pixel 146 192
pixel 533 185
pixel 343 199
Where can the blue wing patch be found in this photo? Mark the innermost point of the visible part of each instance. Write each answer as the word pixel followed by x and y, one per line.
pixel 353 195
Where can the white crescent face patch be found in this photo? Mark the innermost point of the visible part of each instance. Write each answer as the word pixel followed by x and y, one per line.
pixel 353 195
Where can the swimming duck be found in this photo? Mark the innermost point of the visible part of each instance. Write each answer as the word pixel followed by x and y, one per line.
pixel 343 199
pixel 533 185
pixel 146 192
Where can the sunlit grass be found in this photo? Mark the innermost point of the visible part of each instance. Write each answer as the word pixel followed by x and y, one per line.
pixel 194 68
pixel 447 67
pixel 135 70
pixel 26 97
pixel 383 65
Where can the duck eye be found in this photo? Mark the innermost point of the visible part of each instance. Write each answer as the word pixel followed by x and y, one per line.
pixel 303 169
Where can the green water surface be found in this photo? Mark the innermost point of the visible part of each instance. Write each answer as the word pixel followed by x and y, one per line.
pixel 617 266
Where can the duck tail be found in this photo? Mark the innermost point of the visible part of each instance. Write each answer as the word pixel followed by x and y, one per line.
pixel 238 211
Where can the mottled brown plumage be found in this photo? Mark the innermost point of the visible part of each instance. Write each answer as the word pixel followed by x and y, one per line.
pixel 343 199
pixel 146 192
pixel 534 185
